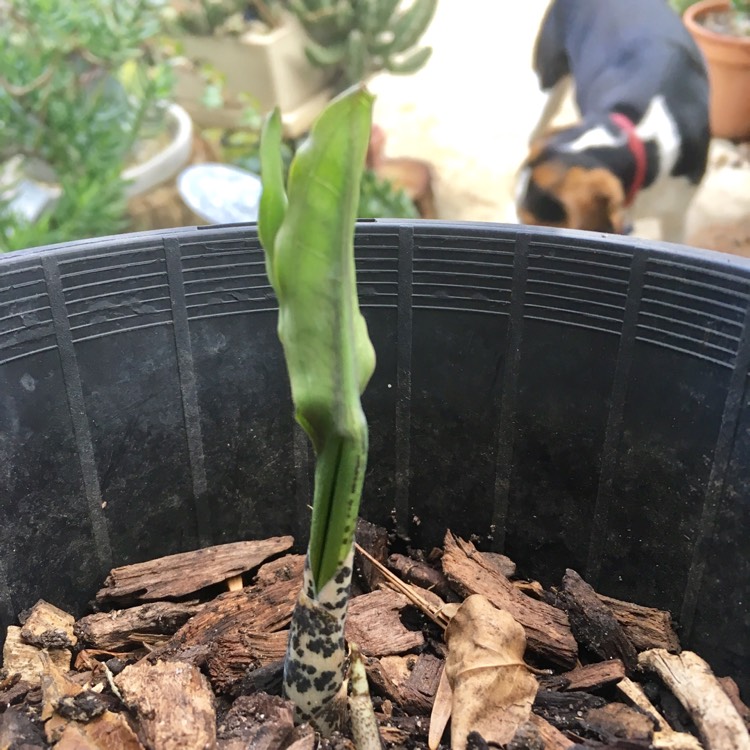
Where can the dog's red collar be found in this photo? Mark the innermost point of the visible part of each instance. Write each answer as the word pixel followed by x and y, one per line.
pixel 637 149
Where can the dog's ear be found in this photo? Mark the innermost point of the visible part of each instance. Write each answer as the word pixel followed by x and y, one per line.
pixel 540 143
pixel 611 196
pixel 594 200
pixel 537 202
pixel 535 149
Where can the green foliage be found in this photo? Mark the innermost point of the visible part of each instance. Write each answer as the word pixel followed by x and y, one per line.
pixel 77 89
pixel 241 147
pixel 309 244
pixel 208 17
pixel 379 199
pixel 741 7
pixel 308 238
pixel 356 38
pixel 273 200
pixel 680 6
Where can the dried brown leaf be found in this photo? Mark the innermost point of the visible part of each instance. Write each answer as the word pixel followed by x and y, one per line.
pixel 493 690
pixel 441 712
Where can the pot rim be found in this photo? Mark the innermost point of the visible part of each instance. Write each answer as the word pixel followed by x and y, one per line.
pixel 696 10
pixel 167 163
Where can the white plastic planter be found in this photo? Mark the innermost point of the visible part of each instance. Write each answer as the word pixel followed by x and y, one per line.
pixel 167 163
pixel 34 190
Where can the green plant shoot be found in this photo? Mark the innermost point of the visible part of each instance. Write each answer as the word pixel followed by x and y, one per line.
pixel 308 238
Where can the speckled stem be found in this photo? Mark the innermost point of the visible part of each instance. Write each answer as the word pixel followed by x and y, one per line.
pixel 315 657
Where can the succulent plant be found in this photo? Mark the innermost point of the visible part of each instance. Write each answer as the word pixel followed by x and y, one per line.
pixel 356 38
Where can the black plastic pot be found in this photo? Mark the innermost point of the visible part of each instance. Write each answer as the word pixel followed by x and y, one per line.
pixel 575 400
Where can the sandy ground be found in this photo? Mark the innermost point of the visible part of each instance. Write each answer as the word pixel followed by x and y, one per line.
pixel 470 109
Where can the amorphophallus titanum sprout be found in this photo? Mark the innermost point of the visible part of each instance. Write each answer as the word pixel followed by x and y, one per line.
pixel 308 237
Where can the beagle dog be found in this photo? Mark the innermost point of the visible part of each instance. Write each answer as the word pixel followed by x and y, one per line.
pixel 641 146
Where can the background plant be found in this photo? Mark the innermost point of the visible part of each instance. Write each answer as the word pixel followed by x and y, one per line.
pixel 208 17
pixel 741 9
pixel 741 17
pixel 378 197
pixel 354 39
pixel 79 85
pixel 681 5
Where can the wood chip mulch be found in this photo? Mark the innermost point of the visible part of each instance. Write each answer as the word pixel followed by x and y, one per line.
pixel 187 652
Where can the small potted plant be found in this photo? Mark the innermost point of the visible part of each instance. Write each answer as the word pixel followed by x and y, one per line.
pixel 721 28
pixel 354 40
pixel 85 118
pixel 242 52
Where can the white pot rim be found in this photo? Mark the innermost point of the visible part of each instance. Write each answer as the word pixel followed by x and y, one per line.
pixel 168 162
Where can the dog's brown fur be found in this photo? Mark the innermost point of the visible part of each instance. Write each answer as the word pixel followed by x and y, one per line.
pixel 593 198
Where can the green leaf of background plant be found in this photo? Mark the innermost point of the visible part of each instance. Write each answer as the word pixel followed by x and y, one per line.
pixel 410 62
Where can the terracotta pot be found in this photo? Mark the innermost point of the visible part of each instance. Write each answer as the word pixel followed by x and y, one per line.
pixel 728 61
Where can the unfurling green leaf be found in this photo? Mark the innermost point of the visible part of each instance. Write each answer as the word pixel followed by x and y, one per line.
pixel 309 245
pixel 329 355
pixel 273 200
